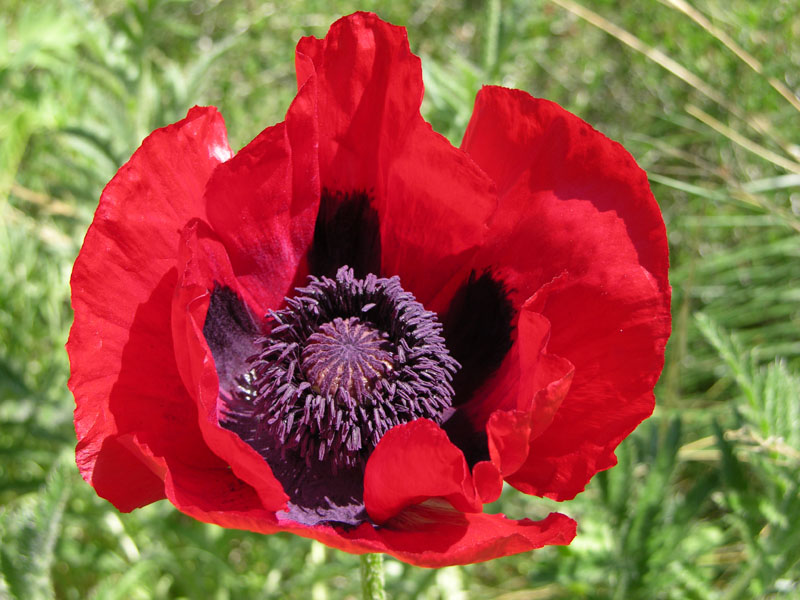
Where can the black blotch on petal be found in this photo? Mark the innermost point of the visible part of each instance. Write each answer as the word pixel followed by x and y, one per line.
pixel 462 433
pixel 478 331
pixel 347 232
pixel 230 332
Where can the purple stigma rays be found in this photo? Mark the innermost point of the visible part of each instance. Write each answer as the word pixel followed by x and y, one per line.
pixel 346 354
pixel 346 360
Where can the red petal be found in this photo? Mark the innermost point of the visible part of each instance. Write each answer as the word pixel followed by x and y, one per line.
pixel 413 463
pixel 520 401
pixel 434 535
pixel 263 203
pixel 373 138
pixel 370 90
pixel 471 537
pixel 575 210
pixel 122 464
pixel 434 218
pixel 527 370
pixel 204 264
pixel 545 378
pixel 618 357
pixel 130 404
pixel 488 481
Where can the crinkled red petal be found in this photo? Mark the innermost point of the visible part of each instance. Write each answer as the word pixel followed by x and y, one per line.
pixel 369 92
pixel 576 220
pixel 412 463
pixel 204 264
pixel 519 402
pixel 436 536
pixel 428 535
pixel 434 220
pixel 132 412
pixel 521 382
pixel 433 202
pixel 263 203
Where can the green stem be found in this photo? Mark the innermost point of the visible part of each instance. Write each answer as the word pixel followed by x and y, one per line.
pixel 493 10
pixel 372 577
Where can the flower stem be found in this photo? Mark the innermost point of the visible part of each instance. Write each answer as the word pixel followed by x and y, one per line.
pixel 372 577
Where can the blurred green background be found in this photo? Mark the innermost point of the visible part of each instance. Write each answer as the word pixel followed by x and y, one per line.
pixel 704 503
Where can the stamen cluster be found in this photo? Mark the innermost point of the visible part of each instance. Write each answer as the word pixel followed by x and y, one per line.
pixel 346 360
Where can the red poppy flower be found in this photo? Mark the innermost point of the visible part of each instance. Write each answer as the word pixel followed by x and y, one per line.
pixel 352 330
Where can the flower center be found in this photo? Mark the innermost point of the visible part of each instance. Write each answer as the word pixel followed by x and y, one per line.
pixel 347 359
pixel 347 354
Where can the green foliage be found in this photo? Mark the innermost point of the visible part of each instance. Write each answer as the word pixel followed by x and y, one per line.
pixel 704 502
pixel 33 525
pixel 759 465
